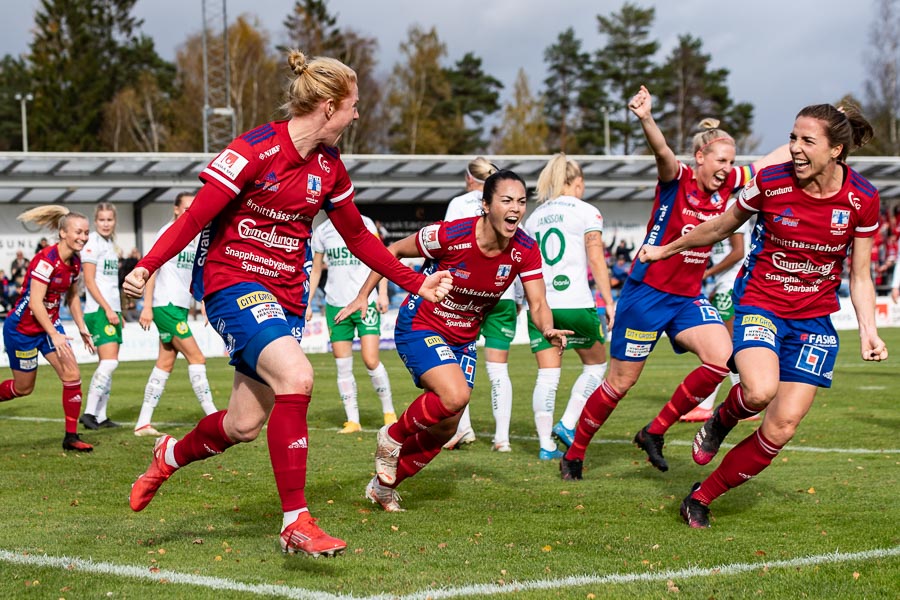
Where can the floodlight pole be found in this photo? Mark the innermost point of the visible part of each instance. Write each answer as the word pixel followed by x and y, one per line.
pixel 23 100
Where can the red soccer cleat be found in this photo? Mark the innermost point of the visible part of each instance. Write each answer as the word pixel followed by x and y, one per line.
pixel 72 441
pixel 143 490
pixel 697 415
pixel 303 535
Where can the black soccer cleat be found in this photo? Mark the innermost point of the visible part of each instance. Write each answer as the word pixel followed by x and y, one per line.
pixel 89 421
pixel 652 444
pixel 108 423
pixel 710 437
pixel 694 512
pixel 73 442
pixel 570 470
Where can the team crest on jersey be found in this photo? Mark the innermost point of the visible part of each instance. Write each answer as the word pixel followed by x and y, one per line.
pixel 313 188
pixel 503 272
pixel 840 218
pixel 269 183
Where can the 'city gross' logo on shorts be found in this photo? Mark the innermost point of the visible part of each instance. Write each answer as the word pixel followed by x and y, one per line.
pixel 434 340
pixel 254 298
pixel 640 336
pixel 759 320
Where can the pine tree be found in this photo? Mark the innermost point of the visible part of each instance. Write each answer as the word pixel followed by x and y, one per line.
pixel 564 85
pixel 625 63
pixel 474 95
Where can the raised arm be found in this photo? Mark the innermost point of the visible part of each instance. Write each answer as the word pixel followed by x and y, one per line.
pixel 666 163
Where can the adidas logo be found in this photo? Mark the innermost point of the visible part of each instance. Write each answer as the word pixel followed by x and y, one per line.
pixel 301 443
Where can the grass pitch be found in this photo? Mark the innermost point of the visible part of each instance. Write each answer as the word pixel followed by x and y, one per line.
pixel 821 522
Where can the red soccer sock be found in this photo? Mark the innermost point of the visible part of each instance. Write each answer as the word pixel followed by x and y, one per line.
pixel 418 450
pixel 287 435
pixel 700 383
pixel 734 408
pixel 71 401
pixel 597 409
pixel 744 461
pixel 8 390
pixel 206 439
pixel 422 413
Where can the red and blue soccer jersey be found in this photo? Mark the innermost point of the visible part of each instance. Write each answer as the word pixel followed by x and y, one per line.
pixel 800 242
pixel 478 280
pixel 46 267
pixel 263 234
pixel 680 205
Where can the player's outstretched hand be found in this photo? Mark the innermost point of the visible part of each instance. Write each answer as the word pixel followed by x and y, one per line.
pixel 648 253
pixel 436 286
pixel 641 103
pixel 873 348
pixel 135 282
pixel 558 337
pixel 356 305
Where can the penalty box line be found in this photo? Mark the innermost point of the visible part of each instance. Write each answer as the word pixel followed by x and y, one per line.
pixel 283 591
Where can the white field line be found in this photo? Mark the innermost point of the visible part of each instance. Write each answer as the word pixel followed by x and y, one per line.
pixel 283 591
pixel 521 438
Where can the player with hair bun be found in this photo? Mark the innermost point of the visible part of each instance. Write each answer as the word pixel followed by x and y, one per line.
pixel 811 212
pixel 666 297
pixel 255 211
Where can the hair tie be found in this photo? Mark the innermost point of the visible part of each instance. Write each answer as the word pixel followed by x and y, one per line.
pixel 475 179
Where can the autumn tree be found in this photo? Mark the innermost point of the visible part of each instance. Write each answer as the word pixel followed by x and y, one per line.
pixel 418 87
pixel 624 63
pixel 564 82
pixel 523 129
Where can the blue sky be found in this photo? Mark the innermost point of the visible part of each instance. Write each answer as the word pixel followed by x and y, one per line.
pixel 781 55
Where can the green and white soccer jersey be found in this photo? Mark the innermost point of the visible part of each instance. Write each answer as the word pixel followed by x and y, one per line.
pixel 173 279
pixel 559 226
pixel 346 273
pixel 102 252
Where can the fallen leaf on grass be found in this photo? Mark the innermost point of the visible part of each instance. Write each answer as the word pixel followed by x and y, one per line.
pixel 855 575
pixel 547 548
pixel 671 587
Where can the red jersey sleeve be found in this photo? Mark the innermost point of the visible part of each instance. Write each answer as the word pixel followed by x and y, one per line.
pixel 531 264
pixel 233 170
pixel 430 240
pixel 343 191
pixel 369 249
pixel 210 201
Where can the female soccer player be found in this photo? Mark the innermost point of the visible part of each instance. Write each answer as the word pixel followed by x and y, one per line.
pixel 569 233
pixel 812 210
pixel 256 208
pixel 667 297
pixel 498 327
pixel 167 299
pixel 102 312
pixel 346 274
pixel 437 341
pixel 33 324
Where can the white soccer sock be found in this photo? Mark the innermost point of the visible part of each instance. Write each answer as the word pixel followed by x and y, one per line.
pixel 98 392
pixel 153 391
pixel 347 387
pixel 465 422
pixel 200 383
pixel 501 399
pixel 543 401
pixel 382 384
pixel 710 400
pixel 590 379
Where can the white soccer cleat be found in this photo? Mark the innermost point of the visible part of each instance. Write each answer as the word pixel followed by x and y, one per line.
pixel 466 436
pixel 387 497
pixel 387 456
pixel 147 431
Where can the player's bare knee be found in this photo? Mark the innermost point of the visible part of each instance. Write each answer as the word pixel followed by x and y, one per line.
pixel 456 399
pixel 757 398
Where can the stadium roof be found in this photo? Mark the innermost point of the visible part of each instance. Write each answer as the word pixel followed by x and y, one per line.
pixel 49 177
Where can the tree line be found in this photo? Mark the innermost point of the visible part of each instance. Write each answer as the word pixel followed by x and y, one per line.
pixel 98 84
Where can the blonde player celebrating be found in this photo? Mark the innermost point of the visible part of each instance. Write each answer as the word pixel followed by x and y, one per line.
pixel 346 274
pixel 102 311
pixel 167 298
